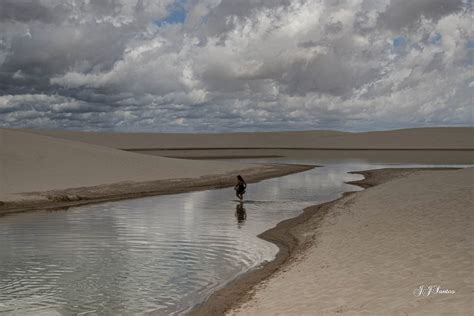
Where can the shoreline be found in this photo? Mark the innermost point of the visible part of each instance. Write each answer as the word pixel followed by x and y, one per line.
pixel 295 148
pixel 73 197
pixel 375 177
pixel 289 236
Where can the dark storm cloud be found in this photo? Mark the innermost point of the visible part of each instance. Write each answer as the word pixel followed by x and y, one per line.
pixel 25 11
pixel 216 25
pixel 405 13
pixel 50 50
pixel 232 64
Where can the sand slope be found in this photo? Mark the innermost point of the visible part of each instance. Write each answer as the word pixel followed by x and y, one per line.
pixel 30 162
pixel 376 247
pixel 418 138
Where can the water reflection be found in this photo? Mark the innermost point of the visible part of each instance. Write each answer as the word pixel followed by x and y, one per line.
pixel 240 214
pixel 158 255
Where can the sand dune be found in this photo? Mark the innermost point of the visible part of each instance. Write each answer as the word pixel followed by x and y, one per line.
pixel 30 162
pixel 373 250
pixel 419 138
pixel 377 250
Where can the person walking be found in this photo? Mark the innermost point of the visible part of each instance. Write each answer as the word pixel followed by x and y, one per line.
pixel 240 187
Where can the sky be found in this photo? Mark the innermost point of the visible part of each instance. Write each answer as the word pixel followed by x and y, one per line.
pixel 235 65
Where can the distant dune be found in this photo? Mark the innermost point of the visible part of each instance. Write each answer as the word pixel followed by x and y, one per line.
pixel 30 162
pixel 43 160
pixel 418 138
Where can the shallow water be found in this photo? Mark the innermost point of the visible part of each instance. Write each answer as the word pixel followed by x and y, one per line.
pixel 330 156
pixel 157 255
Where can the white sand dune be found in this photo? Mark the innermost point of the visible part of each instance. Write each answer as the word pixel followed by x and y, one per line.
pixel 30 162
pixel 418 138
pixel 376 247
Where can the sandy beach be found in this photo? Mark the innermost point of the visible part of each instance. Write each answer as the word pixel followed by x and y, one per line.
pixel 374 252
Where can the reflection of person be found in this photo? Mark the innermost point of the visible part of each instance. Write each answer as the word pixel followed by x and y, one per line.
pixel 240 214
pixel 240 187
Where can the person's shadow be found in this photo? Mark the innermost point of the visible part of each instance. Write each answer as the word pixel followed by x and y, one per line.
pixel 240 214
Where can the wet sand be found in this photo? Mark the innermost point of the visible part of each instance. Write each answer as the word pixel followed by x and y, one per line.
pixel 290 284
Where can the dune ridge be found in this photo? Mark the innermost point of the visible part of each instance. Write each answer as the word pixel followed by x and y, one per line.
pixel 32 162
pixel 42 171
pixel 446 138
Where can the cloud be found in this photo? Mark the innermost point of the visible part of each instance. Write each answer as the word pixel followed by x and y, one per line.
pixel 25 11
pixel 406 13
pixel 223 65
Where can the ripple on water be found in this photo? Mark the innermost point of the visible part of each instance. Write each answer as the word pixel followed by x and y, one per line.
pixel 129 268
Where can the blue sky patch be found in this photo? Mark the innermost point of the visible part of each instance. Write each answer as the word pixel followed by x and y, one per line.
pixel 399 41
pixel 436 39
pixel 177 14
pixel 470 44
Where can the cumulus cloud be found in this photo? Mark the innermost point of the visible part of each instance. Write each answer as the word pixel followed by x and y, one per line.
pixel 221 65
pixel 406 13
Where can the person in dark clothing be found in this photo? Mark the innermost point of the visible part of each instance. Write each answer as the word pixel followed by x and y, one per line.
pixel 240 187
